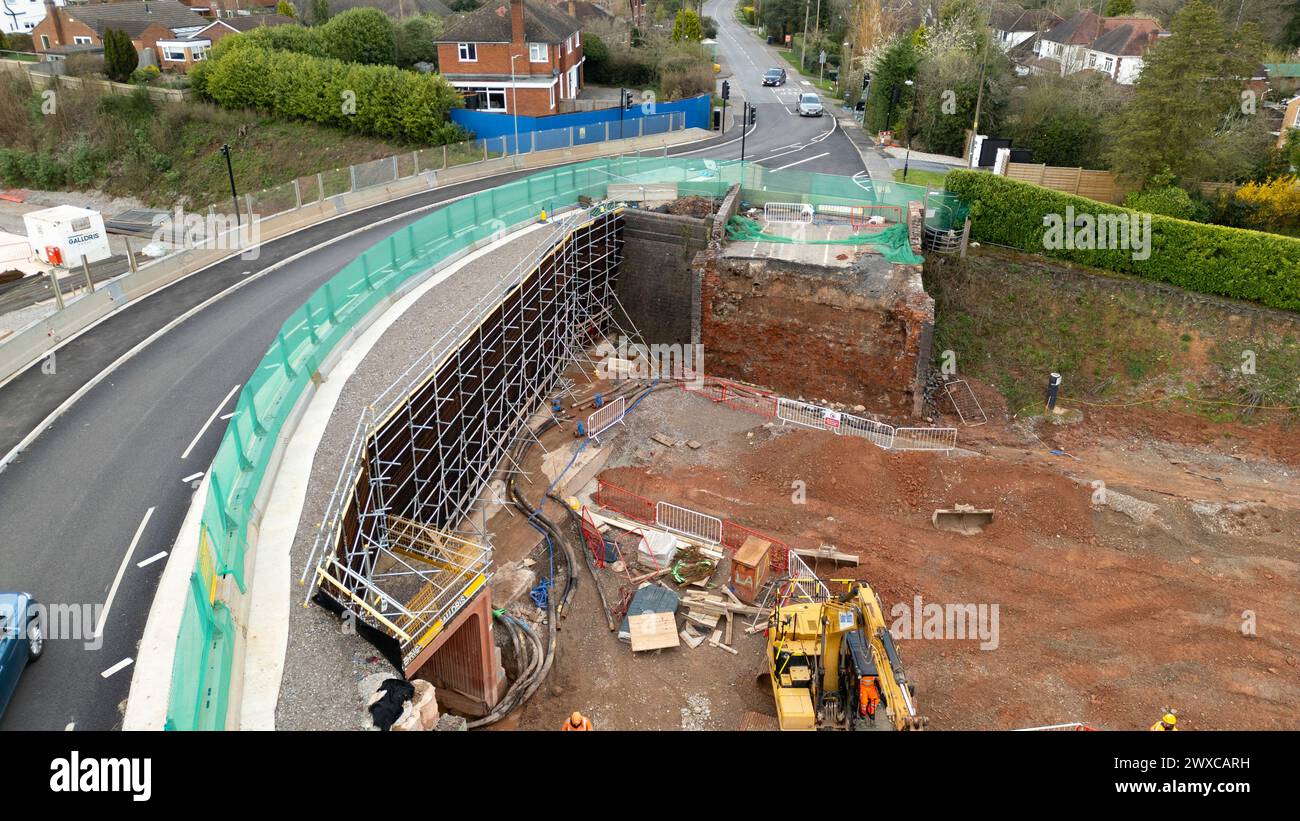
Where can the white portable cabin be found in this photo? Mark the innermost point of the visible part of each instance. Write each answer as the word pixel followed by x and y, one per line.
pixel 62 235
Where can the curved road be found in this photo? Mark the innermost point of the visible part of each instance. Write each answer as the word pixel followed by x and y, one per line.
pixel 89 510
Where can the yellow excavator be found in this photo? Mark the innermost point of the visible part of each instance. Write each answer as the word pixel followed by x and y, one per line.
pixel 834 666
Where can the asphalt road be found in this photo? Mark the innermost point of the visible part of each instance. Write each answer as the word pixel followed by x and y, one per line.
pixel 90 508
pixel 783 138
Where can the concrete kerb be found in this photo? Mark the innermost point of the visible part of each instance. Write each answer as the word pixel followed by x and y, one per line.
pixel 27 347
pixel 151 682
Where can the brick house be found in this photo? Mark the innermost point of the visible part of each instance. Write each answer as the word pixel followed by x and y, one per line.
pixel 509 51
pixel 153 27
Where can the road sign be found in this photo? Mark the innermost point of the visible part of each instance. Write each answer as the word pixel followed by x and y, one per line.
pixel 821 58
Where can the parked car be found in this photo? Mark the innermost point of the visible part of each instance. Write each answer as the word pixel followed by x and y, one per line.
pixel 810 105
pixel 21 641
pixel 774 77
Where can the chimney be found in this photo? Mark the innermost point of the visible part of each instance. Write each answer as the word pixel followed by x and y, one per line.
pixel 55 15
pixel 517 21
pixel 573 9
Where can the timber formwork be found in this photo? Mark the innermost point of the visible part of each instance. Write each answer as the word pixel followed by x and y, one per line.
pixel 390 553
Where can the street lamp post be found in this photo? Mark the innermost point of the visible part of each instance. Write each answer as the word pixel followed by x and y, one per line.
pixel 910 116
pixel 230 169
pixel 514 103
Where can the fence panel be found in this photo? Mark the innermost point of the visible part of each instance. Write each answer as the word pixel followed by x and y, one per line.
pixel 812 416
pixel 795 212
pixel 624 501
pixel 373 173
pixel 689 522
pixel 878 433
pixel 605 418
pixel 925 438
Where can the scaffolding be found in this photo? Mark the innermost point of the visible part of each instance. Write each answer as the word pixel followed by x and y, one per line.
pixel 398 548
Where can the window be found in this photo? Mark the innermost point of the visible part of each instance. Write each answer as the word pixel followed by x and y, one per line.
pixel 174 54
pixel 45 42
pixel 81 41
pixel 468 52
pixel 485 98
pixel 200 54
pixel 550 92
pixel 538 53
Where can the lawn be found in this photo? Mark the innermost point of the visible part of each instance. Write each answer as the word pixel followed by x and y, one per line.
pixel 826 86
pixel 919 176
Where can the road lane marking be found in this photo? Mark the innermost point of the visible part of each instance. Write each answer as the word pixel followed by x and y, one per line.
pixel 208 423
pixel 117 580
pixel 804 160
pixel 192 477
pixel 117 667
pixel 155 557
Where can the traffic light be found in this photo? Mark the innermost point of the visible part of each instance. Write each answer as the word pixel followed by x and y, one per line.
pixel 753 114
pixel 726 90
pixel 628 98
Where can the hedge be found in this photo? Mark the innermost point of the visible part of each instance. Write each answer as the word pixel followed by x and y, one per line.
pixel 389 102
pixel 1209 259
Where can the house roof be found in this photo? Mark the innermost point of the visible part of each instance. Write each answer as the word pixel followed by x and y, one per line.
pixel 1130 39
pixel 583 10
pixel 1025 50
pixel 1082 28
pixel 1011 17
pixel 490 23
pixel 396 9
pixel 253 21
pixel 134 18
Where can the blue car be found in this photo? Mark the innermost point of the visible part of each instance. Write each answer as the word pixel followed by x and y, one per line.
pixel 21 641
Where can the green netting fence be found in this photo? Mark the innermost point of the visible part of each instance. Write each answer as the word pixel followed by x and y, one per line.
pixel 201 666
pixel 892 243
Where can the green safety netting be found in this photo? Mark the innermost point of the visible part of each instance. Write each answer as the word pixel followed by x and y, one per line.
pixel 892 243
pixel 201 667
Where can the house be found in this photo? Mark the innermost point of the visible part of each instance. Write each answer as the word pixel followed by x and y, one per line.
pixel 397 9
pixel 584 11
pixel 514 56
pixel 228 8
pixel 1113 46
pixel 1013 25
pixel 226 26
pixel 21 16
pixel 1290 122
pixel 154 27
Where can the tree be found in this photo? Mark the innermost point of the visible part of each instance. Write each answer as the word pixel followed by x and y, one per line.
pixel 320 12
pixel 687 26
pixel 1190 84
pixel 1120 8
pixel 414 39
pixel 286 8
pixel 1291 34
pixel 361 35
pixel 120 58
pixel 896 65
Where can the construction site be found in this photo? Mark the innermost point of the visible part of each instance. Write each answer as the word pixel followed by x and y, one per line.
pixel 686 465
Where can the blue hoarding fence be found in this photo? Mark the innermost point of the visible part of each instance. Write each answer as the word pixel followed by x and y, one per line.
pixel 695 113
pixel 583 134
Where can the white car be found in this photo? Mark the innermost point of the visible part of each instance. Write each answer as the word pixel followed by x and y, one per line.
pixel 810 105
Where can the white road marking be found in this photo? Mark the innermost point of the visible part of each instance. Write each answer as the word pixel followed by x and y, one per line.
pixel 192 477
pixel 155 557
pixel 223 417
pixel 208 423
pixel 117 667
pixel 804 160
pixel 117 580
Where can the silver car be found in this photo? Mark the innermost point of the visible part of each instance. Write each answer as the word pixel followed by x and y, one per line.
pixel 810 105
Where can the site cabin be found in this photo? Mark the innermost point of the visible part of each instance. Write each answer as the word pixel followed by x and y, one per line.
pixel 62 235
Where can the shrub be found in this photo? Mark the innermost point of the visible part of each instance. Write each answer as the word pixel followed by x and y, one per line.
pixel 84 65
pixel 1210 259
pixel 1169 201
pixel 120 58
pixel 388 101
pixel 145 74
pixel 1274 205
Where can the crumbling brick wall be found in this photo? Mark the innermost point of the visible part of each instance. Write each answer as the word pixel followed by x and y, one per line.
pixel 857 335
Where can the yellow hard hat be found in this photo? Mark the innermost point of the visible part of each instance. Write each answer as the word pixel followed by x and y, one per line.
pixel 576 718
pixel 1170 719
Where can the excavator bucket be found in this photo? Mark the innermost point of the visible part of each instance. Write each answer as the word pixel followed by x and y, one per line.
pixel 964 519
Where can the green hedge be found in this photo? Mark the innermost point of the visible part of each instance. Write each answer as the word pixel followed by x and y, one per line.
pixel 1210 259
pixel 389 102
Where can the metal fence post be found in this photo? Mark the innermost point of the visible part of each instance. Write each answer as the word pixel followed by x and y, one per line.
pixel 444 157
pixel 352 178
pixel 640 126
pixel 85 270
pixel 415 163
pixel 485 149
pixel 607 131
pixel 320 188
pixel 395 167
pixel 54 283
pixel 248 209
pixel 130 255
pixel 297 194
